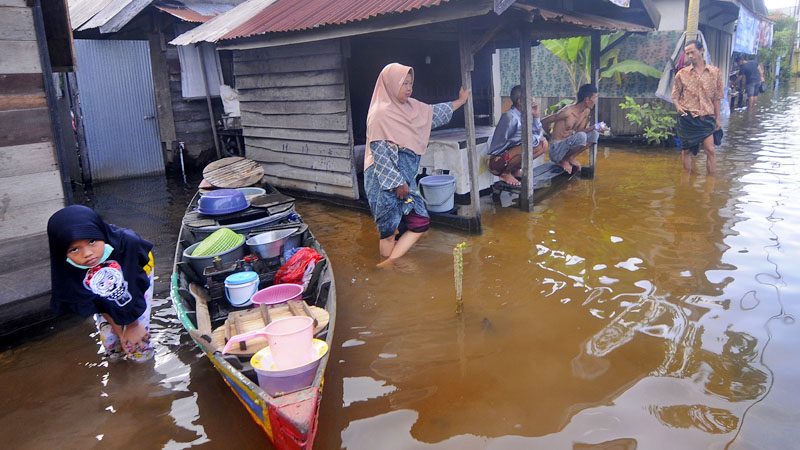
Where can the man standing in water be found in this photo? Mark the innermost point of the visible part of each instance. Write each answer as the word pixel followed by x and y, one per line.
pixel 572 132
pixel 697 93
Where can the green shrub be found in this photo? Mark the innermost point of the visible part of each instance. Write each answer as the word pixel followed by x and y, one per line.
pixel 657 122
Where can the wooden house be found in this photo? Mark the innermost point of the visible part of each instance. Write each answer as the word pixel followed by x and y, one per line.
pixel 305 71
pixel 35 42
pixel 143 89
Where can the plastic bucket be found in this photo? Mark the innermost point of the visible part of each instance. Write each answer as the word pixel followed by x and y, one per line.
pixel 290 340
pixel 277 382
pixel 240 287
pixel 438 191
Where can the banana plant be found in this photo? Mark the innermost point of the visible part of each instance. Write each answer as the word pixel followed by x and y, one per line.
pixel 576 54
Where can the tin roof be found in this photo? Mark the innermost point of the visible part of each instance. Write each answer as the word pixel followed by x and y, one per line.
pixel 290 15
pixel 191 11
pixel 219 26
pixel 256 17
pixel 260 17
pixel 587 21
pixel 111 15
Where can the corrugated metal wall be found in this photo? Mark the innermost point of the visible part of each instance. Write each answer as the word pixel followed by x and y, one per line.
pixel 119 109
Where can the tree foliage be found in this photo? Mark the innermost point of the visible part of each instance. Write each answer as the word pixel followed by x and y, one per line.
pixel 783 38
pixel 575 52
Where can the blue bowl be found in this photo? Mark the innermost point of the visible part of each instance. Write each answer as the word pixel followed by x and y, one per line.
pixel 222 201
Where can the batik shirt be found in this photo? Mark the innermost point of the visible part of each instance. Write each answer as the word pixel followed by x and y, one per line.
pixel 697 93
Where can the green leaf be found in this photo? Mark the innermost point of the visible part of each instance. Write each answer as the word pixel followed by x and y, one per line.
pixel 630 66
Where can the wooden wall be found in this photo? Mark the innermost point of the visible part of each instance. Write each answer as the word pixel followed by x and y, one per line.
pixel 296 116
pixel 30 182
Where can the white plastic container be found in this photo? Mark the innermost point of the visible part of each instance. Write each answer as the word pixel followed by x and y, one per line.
pixel 240 287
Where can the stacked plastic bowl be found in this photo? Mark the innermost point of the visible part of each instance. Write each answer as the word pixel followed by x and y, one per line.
pixel 218 242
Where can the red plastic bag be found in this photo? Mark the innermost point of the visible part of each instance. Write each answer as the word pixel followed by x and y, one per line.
pixel 295 268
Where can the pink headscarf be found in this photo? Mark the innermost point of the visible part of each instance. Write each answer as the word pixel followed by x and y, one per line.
pixel 406 124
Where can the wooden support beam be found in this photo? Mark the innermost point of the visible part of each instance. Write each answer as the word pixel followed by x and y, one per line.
pixel 611 46
pixel 526 194
pixel 595 68
pixel 467 65
pixel 488 36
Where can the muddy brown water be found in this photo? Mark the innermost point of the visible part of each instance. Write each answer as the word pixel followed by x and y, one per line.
pixel 643 309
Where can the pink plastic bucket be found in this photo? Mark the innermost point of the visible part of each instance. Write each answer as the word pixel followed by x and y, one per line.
pixel 291 341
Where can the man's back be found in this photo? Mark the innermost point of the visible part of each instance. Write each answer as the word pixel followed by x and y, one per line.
pixel 750 72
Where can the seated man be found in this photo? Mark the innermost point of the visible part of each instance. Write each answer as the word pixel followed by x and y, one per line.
pixel 505 149
pixel 572 132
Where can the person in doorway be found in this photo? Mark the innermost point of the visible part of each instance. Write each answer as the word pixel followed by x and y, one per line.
pixel 572 131
pixel 753 74
pixel 398 129
pixel 697 95
pixel 505 149
pixel 106 271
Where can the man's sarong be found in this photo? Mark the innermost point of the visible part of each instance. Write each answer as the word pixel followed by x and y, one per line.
pixel 694 130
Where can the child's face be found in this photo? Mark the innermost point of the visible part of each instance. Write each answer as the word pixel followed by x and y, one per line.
pixel 86 252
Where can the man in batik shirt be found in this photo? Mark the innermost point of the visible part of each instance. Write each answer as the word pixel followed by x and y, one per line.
pixel 696 93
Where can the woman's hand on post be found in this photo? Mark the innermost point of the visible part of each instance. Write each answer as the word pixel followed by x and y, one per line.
pixel 401 191
pixel 463 96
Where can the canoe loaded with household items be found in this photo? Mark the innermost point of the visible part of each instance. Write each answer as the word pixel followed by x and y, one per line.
pixel 255 291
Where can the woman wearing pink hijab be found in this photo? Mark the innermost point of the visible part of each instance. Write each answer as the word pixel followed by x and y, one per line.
pixel 398 129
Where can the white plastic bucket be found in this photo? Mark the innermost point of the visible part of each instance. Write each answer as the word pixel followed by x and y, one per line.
pixel 291 341
pixel 438 191
pixel 240 294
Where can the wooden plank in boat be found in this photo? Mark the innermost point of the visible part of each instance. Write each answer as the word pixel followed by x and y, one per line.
pixel 270 200
pixel 201 307
pixel 233 172
pixel 254 319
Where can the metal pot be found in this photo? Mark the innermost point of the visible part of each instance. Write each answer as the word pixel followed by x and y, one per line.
pixel 269 245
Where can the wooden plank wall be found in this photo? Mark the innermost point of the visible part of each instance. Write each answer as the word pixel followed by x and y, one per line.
pixel 295 115
pixel 30 183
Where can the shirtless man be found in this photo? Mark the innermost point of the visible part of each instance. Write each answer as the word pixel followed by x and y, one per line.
pixel 572 132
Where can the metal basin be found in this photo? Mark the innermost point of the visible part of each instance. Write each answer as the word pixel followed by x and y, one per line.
pixel 269 245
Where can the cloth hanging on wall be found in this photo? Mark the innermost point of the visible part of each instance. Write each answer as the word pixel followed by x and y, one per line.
pixel 192 86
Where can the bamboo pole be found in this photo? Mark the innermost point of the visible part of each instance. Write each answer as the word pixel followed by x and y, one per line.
pixel 692 19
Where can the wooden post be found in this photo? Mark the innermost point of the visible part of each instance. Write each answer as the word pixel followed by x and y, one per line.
pixel 467 65
pixel 208 100
pixel 595 80
pixel 52 103
pixel 526 195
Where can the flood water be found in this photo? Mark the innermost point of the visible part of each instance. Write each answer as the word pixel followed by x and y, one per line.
pixel 644 309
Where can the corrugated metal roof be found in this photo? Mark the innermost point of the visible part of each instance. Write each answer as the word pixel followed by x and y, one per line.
pixel 189 11
pixel 290 15
pixel 587 21
pixel 256 17
pixel 110 11
pixel 80 11
pixel 219 26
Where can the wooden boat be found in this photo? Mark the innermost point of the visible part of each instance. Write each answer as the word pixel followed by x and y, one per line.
pixel 289 420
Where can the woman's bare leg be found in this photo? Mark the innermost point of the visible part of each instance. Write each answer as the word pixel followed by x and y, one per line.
pixel 386 246
pixel 401 247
